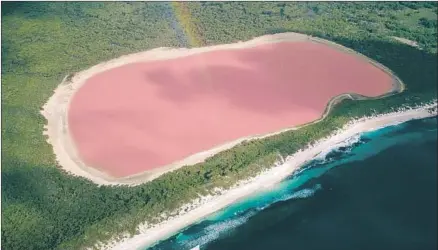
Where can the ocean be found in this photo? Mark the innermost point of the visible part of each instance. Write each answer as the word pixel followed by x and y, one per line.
pixel 377 190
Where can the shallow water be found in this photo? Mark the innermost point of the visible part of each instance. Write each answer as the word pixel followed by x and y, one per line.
pixel 378 191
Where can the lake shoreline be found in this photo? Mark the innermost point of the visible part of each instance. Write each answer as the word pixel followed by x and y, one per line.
pixel 59 136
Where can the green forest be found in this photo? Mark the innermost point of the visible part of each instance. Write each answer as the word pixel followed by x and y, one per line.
pixel 42 42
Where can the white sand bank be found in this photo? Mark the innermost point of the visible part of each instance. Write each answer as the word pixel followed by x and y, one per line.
pixel 406 41
pixel 208 205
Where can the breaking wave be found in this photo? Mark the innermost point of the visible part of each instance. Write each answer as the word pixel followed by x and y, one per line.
pixel 333 154
pixel 220 228
pixel 304 193
pixel 214 231
pixel 340 150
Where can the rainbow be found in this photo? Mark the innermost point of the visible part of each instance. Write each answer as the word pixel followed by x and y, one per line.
pixel 185 18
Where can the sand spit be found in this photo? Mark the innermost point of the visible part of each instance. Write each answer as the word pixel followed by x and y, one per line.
pixel 406 41
pixel 55 110
pixel 204 206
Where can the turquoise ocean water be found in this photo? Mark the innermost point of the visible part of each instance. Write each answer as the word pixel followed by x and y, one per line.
pixel 376 192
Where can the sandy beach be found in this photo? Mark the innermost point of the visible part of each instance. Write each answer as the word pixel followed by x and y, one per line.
pixel 205 206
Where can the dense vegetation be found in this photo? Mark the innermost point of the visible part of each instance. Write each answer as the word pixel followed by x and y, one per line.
pixel 44 208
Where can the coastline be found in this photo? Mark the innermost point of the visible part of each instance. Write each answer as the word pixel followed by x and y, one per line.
pixel 204 206
pixel 56 108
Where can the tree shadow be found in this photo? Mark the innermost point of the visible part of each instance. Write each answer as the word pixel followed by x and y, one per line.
pixel 63 199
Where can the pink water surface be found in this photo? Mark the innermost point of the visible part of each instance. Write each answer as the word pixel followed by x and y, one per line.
pixel 145 115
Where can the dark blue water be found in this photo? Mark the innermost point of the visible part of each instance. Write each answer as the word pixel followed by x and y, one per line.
pixel 378 191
